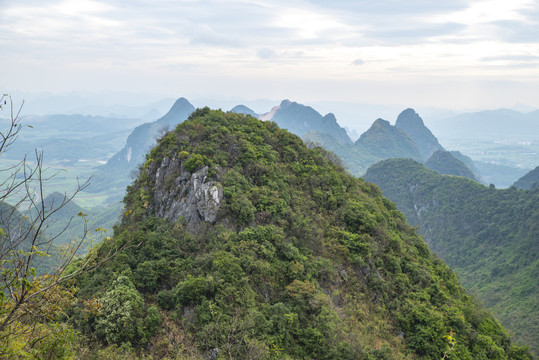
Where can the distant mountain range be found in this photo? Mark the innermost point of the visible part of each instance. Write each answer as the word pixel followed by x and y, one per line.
pixel 300 119
pixel 489 236
pixel 489 124
pixel 408 138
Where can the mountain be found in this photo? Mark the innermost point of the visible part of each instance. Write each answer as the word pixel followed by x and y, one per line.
pixel 242 109
pixel 412 124
pixel 489 236
pixel 238 241
pixel 299 119
pixel 115 173
pixel 528 181
pixel 385 141
pixel 470 164
pixel 443 162
pixel 381 141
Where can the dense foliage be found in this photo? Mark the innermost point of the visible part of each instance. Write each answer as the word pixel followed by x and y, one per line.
pixel 304 262
pixel 489 236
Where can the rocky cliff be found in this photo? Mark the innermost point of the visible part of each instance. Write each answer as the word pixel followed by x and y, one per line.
pixel 179 193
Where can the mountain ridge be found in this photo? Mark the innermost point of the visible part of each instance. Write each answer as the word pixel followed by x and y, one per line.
pixel 488 236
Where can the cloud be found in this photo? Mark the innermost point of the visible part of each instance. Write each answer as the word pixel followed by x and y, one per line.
pixel 266 53
pixel 517 31
pixel 358 62
pixel 388 7
pixel 413 33
pixel 511 58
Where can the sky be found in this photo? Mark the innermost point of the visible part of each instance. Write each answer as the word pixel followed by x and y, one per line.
pixel 450 54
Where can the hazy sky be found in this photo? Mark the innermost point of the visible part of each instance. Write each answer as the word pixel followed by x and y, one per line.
pixel 452 53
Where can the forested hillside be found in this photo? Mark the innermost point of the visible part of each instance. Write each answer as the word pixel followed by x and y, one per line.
pixel 489 236
pixel 241 242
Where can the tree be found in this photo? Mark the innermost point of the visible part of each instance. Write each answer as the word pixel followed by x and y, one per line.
pixel 33 271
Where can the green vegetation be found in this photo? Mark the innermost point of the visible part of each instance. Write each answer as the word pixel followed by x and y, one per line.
pixel 488 236
pixel 443 162
pixel 528 181
pixel 304 262
pixel 381 141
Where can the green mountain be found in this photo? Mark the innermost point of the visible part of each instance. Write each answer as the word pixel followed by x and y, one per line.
pixel 528 181
pixel 411 123
pixel 443 162
pixel 470 164
pixel 300 119
pixel 381 141
pixel 385 141
pixel 240 242
pixel 489 236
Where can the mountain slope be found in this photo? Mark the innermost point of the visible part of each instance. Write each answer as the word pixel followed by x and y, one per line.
pixel 470 164
pixel 411 123
pixel 528 181
pixel 443 162
pixel 490 237
pixel 254 246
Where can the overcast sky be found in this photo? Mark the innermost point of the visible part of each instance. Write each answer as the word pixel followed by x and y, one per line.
pixel 452 53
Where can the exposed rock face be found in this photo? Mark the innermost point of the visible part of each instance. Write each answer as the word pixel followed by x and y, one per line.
pixel 181 193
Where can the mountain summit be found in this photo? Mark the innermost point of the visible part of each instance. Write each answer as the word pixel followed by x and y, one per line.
pixel 411 123
pixel 382 140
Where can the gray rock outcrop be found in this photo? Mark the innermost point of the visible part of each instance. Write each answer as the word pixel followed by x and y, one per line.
pixel 179 193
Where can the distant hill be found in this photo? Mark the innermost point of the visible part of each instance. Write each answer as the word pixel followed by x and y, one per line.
pixel 470 164
pixel 242 109
pixel 502 175
pixel 116 172
pixel 300 119
pixel 498 124
pixel 489 236
pixel 528 181
pixel 443 162
pixel 411 123
pixel 385 141
pixel 381 141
